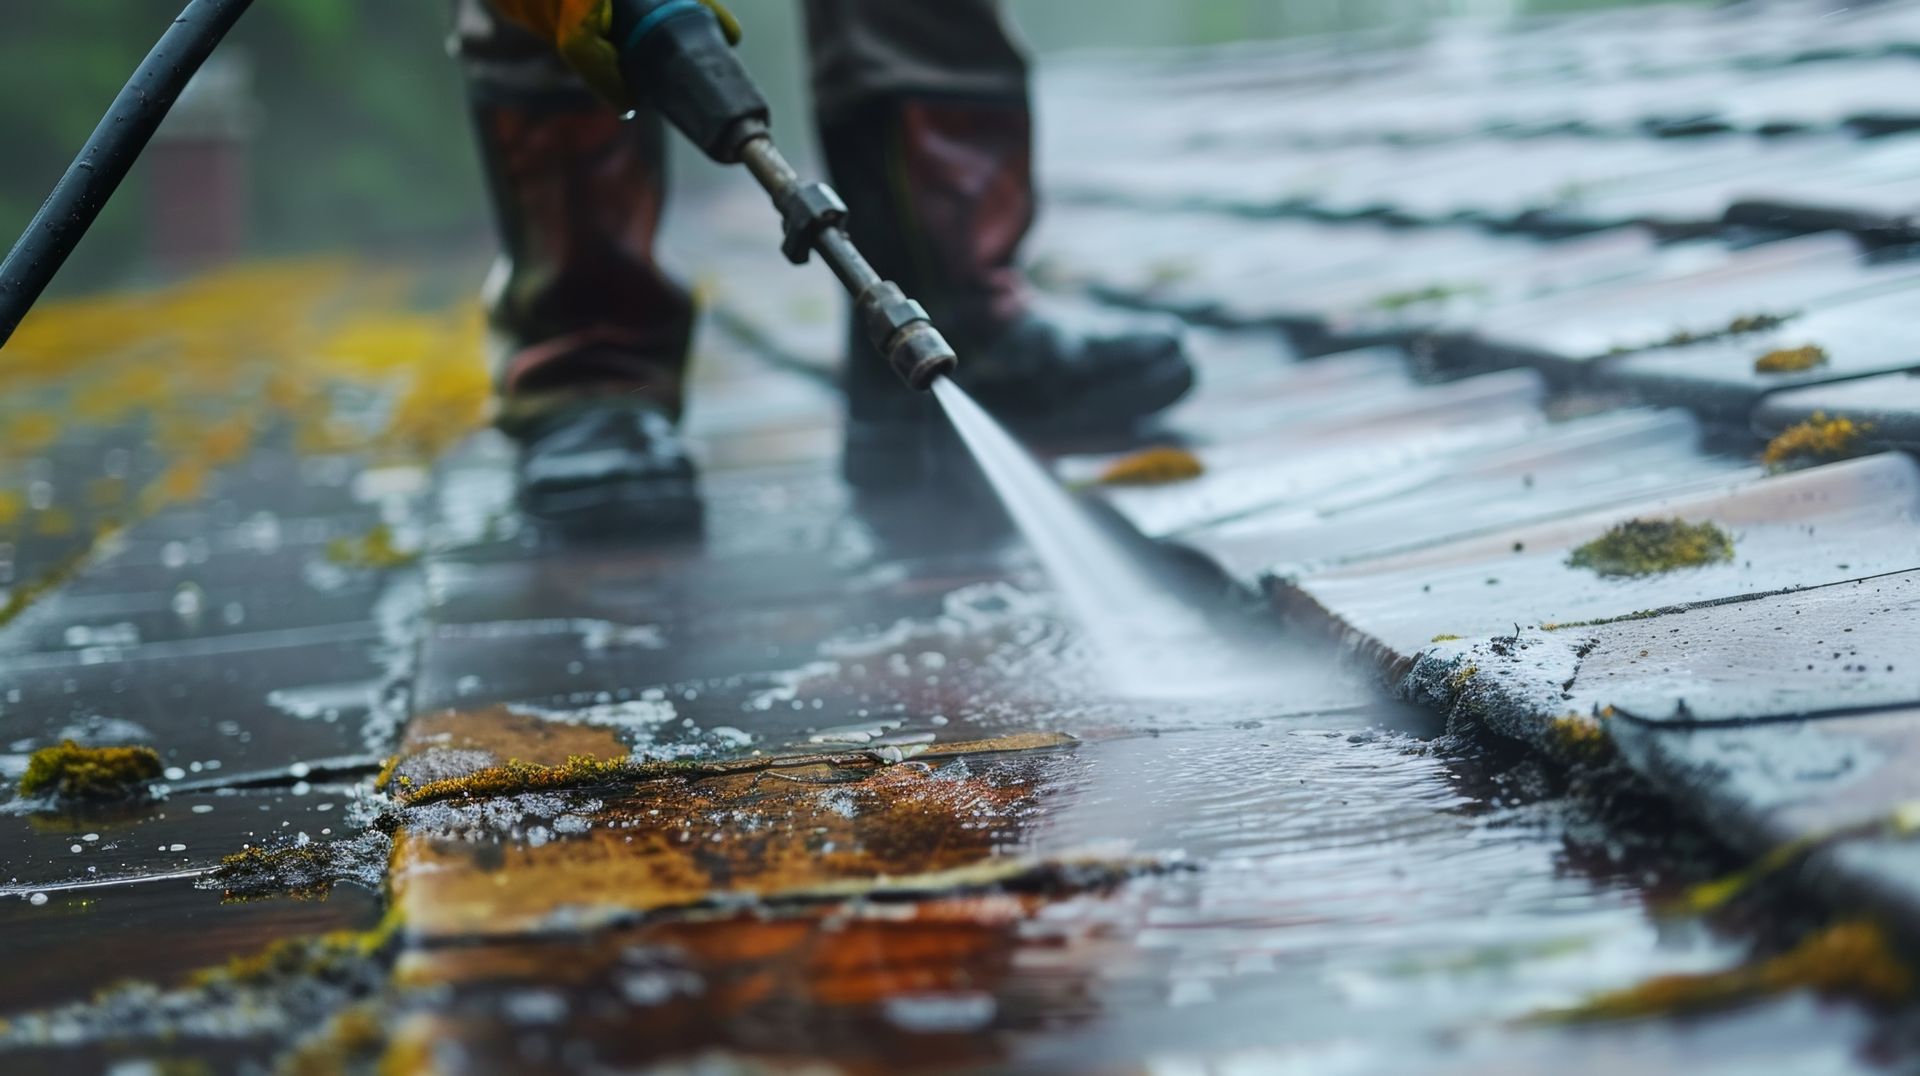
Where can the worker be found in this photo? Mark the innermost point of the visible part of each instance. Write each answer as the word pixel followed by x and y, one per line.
pixel 924 117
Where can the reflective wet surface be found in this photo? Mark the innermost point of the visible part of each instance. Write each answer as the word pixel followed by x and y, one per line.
pixel 1332 887
pixel 983 854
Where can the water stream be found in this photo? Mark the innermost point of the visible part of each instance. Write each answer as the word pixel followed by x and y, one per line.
pixel 1151 643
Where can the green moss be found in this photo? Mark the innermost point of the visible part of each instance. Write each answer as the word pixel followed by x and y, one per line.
pixel 306 871
pixel 1445 638
pixel 1641 547
pixel 72 772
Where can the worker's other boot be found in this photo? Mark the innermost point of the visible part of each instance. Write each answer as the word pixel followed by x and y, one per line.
pixel 941 191
pixel 593 337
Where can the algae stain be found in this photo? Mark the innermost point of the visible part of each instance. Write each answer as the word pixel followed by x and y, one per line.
pixel 1853 958
pixel 1642 547
pixel 1817 440
pixel 72 772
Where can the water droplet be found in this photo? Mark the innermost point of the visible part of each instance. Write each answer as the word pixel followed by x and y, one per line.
pixel 37 899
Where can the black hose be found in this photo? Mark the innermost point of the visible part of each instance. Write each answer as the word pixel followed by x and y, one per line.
pixel 103 162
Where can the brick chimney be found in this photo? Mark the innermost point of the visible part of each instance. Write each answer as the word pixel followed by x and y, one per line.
pixel 198 169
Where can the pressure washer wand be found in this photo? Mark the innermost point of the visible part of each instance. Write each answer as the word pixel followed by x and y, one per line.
pixel 103 162
pixel 675 55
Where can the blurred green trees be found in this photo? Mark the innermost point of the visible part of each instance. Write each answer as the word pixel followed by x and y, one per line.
pixel 362 134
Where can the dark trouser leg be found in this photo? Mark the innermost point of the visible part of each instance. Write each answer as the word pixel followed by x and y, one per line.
pixel 924 117
pixel 577 196
pixel 596 334
pixel 926 123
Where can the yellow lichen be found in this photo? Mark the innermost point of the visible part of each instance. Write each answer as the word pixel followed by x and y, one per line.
pixel 385 777
pixel 1158 466
pixel 70 771
pixel 1578 736
pixel 206 365
pixel 1851 958
pixel 1817 440
pixel 1462 677
pixel 1791 360
pixel 301 957
pixel 1641 547
pixel 374 550
pixel 1445 638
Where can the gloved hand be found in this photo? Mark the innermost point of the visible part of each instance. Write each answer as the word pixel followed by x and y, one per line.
pixel 578 30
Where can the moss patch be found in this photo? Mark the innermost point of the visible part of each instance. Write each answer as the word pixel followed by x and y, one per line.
pixel 1852 958
pixel 1817 440
pixel 307 870
pixel 1641 547
pixel 1158 466
pixel 72 772
pixel 1791 360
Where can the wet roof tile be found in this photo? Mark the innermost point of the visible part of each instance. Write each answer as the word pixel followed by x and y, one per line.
pixel 1831 523
pixel 1855 338
pixel 1889 406
pixel 1567 469
pixel 1312 455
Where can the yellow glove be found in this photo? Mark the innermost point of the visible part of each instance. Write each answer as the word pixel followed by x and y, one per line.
pixel 578 30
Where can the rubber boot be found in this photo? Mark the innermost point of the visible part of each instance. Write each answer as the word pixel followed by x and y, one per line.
pixel 941 196
pixel 595 336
